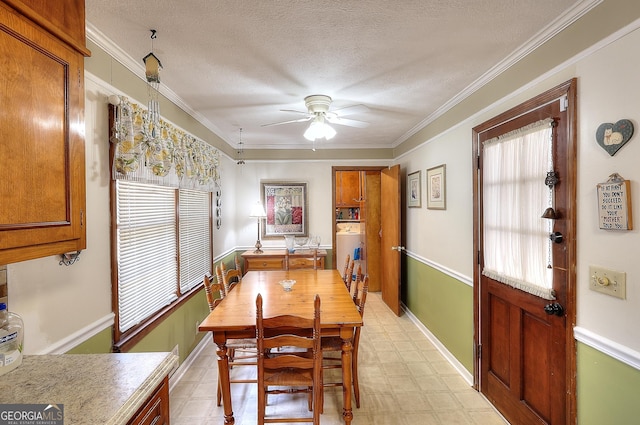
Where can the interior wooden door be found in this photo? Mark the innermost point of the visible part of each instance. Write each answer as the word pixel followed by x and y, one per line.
pixel 525 350
pixel 372 216
pixel 390 237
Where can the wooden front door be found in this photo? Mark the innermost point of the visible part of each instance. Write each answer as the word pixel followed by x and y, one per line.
pixel 525 351
pixel 390 241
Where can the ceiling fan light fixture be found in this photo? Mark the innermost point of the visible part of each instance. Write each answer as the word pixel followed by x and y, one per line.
pixel 318 129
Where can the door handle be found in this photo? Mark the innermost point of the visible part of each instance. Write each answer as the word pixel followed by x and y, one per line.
pixel 554 308
pixel 556 237
pixel 398 248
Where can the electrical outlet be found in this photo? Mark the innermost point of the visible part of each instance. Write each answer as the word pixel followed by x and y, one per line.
pixel 608 282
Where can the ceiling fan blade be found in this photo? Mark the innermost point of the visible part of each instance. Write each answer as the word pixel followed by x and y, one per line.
pixel 287 122
pixel 349 110
pixel 348 122
pixel 294 111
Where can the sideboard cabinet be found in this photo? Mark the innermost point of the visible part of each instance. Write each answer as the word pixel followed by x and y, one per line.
pixel 275 259
pixel 42 178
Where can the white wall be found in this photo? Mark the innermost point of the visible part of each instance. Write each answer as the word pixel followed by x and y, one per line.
pixel 609 90
pixel 444 237
pixel 317 175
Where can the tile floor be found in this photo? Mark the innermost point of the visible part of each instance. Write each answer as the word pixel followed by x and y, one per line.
pixel 403 380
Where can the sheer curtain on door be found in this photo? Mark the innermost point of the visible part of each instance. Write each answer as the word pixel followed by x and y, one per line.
pixel 516 238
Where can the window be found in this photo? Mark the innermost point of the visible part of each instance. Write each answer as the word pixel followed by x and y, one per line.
pixel 195 238
pixel 163 248
pixel 514 168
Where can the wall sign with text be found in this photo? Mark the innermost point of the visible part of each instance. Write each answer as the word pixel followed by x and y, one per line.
pixel 614 204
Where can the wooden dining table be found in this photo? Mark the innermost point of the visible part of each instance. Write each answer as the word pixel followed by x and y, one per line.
pixel 235 317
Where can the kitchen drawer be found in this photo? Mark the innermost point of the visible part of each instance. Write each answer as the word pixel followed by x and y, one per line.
pixel 266 263
pixel 305 263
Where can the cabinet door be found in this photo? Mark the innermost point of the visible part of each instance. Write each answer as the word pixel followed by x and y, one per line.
pixel 156 410
pixel 63 18
pixel 349 188
pixel 42 186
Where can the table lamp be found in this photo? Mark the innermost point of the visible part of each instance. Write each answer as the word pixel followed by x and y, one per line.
pixel 258 212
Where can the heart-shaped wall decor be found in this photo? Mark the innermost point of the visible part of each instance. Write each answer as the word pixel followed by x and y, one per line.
pixel 611 137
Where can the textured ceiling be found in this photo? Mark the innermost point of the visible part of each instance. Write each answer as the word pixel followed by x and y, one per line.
pixel 237 63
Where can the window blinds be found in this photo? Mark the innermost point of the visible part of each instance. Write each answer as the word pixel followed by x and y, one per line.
pixel 146 254
pixel 195 238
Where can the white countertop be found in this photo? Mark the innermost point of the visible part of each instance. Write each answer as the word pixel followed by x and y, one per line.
pixel 94 388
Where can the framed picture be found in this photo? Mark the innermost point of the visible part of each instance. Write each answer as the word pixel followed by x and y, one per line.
pixel 436 188
pixel 414 192
pixel 286 207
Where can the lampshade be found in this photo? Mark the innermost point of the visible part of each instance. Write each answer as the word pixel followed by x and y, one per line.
pixel 257 211
pixel 319 130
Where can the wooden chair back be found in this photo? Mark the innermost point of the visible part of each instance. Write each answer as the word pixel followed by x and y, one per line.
pixel 307 262
pixel 210 286
pixel 289 355
pixel 348 276
pixel 230 278
pixel 236 261
pixel 360 293
pixel 346 267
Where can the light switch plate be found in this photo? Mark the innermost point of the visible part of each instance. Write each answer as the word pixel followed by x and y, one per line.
pixel 608 282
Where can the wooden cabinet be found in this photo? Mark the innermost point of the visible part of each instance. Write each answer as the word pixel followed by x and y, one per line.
pixel 156 409
pixel 348 189
pixel 275 259
pixel 42 178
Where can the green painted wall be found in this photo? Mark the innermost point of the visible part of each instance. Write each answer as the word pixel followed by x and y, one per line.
pixel 607 389
pixel 444 305
pixel 99 343
pixel 179 328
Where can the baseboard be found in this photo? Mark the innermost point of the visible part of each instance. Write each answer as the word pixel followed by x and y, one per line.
pixel 174 379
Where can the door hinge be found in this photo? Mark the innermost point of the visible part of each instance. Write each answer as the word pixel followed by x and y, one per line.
pixel 478 162
pixel 479 351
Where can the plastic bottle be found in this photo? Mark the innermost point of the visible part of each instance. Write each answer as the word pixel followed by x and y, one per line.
pixel 11 339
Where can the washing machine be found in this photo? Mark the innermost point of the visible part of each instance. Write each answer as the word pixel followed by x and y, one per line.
pixel 346 243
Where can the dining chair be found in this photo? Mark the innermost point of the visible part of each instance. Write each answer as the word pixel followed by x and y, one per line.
pixel 346 267
pixel 333 344
pixel 290 356
pixel 230 277
pixel 247 346
pixel 238 266
pixel 356 279
pixel 223 292
pixel 348 275
pixel 307 262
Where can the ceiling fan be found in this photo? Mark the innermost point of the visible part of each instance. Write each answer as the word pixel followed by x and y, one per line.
pixel 318 112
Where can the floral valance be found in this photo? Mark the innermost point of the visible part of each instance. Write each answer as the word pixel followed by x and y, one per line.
pixel 154 151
